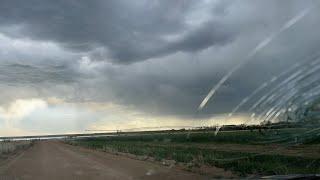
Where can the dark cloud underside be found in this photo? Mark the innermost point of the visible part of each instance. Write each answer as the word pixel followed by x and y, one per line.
pixel 158 56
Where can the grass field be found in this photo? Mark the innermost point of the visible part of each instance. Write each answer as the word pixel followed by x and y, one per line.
pixel 286 151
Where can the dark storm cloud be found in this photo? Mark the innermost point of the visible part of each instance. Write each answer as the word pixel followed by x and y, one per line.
pixel 17 74
pixel 202 38
pixel 189 46
pixel 178 84
pixel 129 31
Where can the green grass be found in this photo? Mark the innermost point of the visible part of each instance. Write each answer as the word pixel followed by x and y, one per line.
pixel 161 146
pixel 238 137
pixel 240 162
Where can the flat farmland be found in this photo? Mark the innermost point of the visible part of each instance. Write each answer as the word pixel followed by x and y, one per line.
pixel 244 153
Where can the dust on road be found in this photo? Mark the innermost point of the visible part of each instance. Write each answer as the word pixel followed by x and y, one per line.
pixel 56 160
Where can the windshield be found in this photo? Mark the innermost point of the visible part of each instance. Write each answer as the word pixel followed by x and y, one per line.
pixel 159 89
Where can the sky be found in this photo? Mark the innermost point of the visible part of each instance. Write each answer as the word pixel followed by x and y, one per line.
pixel 70 66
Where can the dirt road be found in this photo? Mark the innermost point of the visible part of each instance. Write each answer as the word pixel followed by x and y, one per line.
pixel 56 160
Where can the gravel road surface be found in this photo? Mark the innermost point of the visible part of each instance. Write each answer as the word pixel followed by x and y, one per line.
pixel 56 160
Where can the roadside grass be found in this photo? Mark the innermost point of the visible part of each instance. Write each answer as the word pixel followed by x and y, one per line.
pixel 314 140
pixel 237 137
pixel 242 163
pixel 7 147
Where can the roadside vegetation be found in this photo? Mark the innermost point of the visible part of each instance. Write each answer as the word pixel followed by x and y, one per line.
pixel 7 147
pixel 197 148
